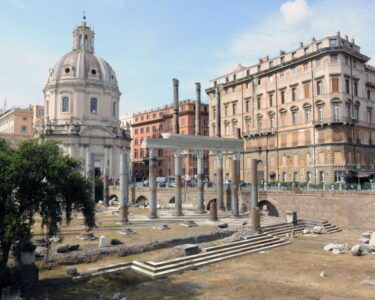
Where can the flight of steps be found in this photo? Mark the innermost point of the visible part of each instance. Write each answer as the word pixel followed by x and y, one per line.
pixel 251 244
pixel 328 227
pixel 154 270
pixel 282 229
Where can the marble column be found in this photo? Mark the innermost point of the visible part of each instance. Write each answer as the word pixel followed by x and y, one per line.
pixel 235 185
pixel 175 107
pixel 90 172
pixel 106 187
pixel 213 210
pixel 200 186
pixel 219 181
pixel 218 113
pixel 124 187
pixel 198 109
pixel 178 183
pixel 255 214
pixel 152 184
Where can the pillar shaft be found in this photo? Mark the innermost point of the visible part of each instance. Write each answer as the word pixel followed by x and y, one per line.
pixel 219 181
pixel 213 210
pixel 124 187
pixel 198 109
pixel 106 186
pixel 175 107
pixel 152 185
pixel 255 214
pixel 178 183
pixel 90 172
pixel 235 185
pixel 200 186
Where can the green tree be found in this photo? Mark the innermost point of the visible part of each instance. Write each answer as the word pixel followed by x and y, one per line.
pixel 36 178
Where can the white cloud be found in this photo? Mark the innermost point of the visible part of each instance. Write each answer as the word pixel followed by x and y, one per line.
pixel 295 12
pixel 19 4
pixel 283 30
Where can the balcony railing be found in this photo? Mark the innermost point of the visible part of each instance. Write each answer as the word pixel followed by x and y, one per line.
pixel 335 120
pixel 260 131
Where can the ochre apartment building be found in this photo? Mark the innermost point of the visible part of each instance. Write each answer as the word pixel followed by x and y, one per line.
pixel 157 121
pixel 307 115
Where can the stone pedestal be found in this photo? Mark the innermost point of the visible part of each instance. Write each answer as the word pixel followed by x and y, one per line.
pixel 291 217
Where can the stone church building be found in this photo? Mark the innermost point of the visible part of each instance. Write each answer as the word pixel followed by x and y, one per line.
pixel 82 101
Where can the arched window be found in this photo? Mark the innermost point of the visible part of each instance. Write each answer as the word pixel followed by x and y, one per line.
pixel 94 106
pixel 65 104
pixel 336 111
pixel 114 109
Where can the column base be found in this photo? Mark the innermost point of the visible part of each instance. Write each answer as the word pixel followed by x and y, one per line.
pixel 153 217
pixel 177 214
pixel 201 212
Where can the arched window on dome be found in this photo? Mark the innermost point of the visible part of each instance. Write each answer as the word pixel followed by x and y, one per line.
pixel 80 41
pixel 65 104
pixel 94 106
pixel 114 109
pixel 86 41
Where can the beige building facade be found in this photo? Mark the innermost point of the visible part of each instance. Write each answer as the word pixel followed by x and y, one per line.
pixel 306 115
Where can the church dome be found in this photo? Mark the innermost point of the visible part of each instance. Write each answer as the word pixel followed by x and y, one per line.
pixel 82 63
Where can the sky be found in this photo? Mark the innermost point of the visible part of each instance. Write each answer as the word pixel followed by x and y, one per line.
pixel 149 42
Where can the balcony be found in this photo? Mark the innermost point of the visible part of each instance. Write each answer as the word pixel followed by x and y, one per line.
pixel 334 121
pixel 260 132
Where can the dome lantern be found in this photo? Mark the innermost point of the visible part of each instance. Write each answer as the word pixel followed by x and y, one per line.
pixel 83 37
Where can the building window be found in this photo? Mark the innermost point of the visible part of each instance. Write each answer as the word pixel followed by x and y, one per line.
pixel 135 131
pixel 225 110
pixel 65 104
pixel 272 122
pixel 147 129
pixel 336 111
pixel 369 115
pixel 346 60
pixel 355 88
pixel 319 87
pixel 318 62
pixel 247 105
pixel 306 88
pixel 141 130
pixel 270 96
pixel 369 94
pixel 271 64
pixel 94 105
pixel 293 69
pixel 306 50
pixel 305 66
pixel 295 176
pixel 333 58
pixel 234 128
pixel 293 55
pixel 23 129
pixel 356 112
pixel 335 84
pixel 233 89
pixel 205 122
pixel 226 79
pixel 153 128
pixel 182 123
pixel 318 46
pixel 25 118
pixel 270 78
pixel 259 102
pixel 135 153
pixel 347 86
pixel 169 125
pixel 294 94
pixel 234 76
pixel 247 125
pixel 294 117
pixel 284 177
pixel 320 113
pixel 339 176
pixel 247 85
pixel 282 74
pixel 160 127
pixel 135 142
pixel 332 42
pixel 260 124
pixel 226 91
pixel 282 93
pixel 308 176
pixel 226 129
pixel 234 108
pixel 160 152
pixel 307 115
pixel 321 176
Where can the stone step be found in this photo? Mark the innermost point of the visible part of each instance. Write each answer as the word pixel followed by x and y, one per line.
pixel 196 265
pixel 206 254
pixel 277 225
pixel 211 256
pixel 261 236
pixel 285 230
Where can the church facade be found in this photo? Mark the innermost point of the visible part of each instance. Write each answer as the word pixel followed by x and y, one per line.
pixel 81 101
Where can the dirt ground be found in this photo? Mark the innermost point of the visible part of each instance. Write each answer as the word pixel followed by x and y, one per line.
pixel 288 272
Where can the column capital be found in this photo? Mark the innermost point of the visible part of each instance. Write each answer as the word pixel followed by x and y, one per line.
pixel 200 154
pixel 151 152
pixel 177 153
pixel 237 155
pixel 219 155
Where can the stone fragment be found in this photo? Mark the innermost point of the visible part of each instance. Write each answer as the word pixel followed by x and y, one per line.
pixel 189 249
pixel 73 247
pixel 40 252
pixel 318 229
pixel 364 240
pixel 336 250
pixel 162 227
pixel 372 240
pixel 189 223
pixel 115 242
pixel 306 231
pixel 366 235
pixel 86 236
pixel 118 296
pixel 356 250
pixel 39 243
pixel 103 242
pixel 223 225
pixel 323 274
pixel 369 282
pixel 55 239
pixel 127 231
pixel 365 248
pixel 72 271
pixel 329 247
pixel 244 223
pixel 63 248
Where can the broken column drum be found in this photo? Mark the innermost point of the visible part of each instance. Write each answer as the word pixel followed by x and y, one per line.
pixel 213 210
pixel 124 187
pixel 152 184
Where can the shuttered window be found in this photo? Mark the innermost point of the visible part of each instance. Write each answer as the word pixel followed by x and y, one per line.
pixel 306 88
pixel 335 84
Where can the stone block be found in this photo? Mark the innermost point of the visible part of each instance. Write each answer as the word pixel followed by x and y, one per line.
pixel 103 242
pixel 336 250
pixel 356 250
pixel 127 231
pixel 72 271
pixel 223 225
pixel 189 223
pixel 318 229
pixel 372 240
pixel 63 248
pixel 306 231
pixel 162 227
pixel 40 251
pixel 364 240
pixel 366 235
pixel 55 239
pixel 329 247
pixel 86 236
pixel 115 242
pixel 73 247
pixel 291 217
pixel 189 249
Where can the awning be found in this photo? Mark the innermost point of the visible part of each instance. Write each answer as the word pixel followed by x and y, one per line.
pixel 364 174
